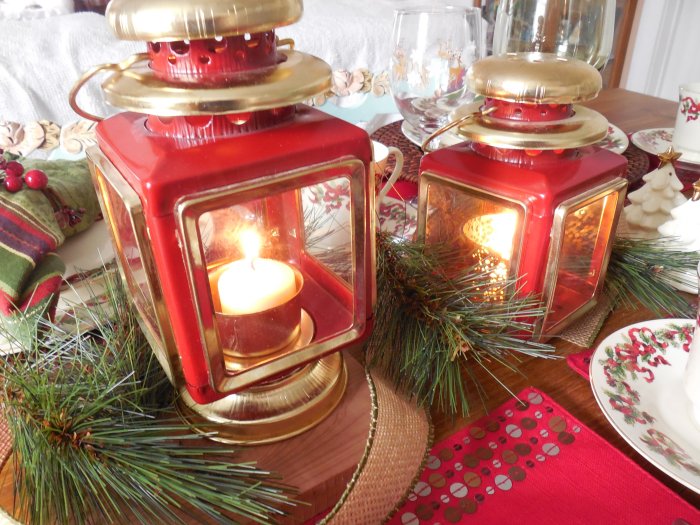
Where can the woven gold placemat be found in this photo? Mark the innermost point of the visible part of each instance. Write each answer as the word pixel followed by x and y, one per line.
pixel 584 331
pixel 5 440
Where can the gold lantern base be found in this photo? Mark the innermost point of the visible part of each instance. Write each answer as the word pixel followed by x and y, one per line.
pixel 272 411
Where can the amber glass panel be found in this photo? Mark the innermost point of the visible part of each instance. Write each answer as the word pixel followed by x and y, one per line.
pixel 127 230
pixel 586 233
pixel 485 229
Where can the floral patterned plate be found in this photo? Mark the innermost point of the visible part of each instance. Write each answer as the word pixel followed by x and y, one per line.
pixel 616 140
pixel 636 378
pixel 658 140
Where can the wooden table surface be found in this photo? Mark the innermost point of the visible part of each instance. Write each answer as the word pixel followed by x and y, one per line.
pixel 630 112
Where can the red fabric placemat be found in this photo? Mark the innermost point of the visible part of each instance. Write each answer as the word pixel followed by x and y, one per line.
pixel 534 463
pixel 580 363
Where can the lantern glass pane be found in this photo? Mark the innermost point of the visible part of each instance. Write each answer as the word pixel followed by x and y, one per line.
pixel 130 237
pixel 485 228
pixel 281 267
pixel 587 230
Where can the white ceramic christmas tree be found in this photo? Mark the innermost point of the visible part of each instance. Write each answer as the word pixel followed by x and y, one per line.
pixel 684 225
pixel 651 204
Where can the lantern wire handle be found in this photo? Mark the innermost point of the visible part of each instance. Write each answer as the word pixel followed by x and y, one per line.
pixel 447 127
pixel 396 172
pixel 117 67
pixel 285 42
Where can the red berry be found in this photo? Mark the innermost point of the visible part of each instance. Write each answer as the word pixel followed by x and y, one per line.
pixel 13 184
pixel 14 168
pixel 36 179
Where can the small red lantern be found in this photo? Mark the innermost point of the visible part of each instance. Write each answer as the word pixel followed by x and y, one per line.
pixel 529 197
pixel 247 283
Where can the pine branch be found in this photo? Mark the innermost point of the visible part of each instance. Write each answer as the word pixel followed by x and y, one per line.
pixel 641 272
pixel 97 441
pixel 432 329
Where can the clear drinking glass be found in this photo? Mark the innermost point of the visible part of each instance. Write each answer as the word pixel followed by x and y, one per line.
pixel 582 29
pixel 432 48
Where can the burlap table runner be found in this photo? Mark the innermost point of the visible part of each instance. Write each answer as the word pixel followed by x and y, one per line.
pixel 398 444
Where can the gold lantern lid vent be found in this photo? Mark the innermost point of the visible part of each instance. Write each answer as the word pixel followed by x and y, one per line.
pixel 172 20
pixel 134 85
pixel 537 79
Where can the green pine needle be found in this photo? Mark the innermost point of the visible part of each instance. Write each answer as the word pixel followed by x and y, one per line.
pixel 96 439
pixel 432 330
pixel 641 272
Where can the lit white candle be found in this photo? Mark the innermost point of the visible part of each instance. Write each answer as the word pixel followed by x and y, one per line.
pixel 253 284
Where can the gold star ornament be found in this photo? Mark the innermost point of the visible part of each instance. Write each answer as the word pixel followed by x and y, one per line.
pixel 669 157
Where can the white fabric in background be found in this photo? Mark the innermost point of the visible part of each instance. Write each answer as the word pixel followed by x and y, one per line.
pixel 28 9
pixel 41 59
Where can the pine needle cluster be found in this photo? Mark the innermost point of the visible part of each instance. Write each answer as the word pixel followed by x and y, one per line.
pixel 96 440
pixel 641 271
pixel 432 329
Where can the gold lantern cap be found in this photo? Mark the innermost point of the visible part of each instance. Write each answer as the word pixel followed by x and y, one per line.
pixel 295 79
pixel 173 20
pixel 534 78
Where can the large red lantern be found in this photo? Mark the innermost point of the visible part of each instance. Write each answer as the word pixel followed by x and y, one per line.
pixel 246 285
pixel 528 196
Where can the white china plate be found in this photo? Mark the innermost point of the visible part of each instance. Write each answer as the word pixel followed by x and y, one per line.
pixel 449 138
pixel 657 140
pixel 637 381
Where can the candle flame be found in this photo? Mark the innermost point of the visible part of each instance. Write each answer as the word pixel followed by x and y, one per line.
pixel 494 232
pixel 250 244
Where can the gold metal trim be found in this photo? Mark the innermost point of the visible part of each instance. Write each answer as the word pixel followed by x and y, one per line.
pixel 534 78
pixel 616 186
pixel 294 80
pixel 425 146
pixel 585 127
pixel 160 337
pixel 169 20
pixel 275 411
pixel 85 77
pixel 427 177
pixel 187 212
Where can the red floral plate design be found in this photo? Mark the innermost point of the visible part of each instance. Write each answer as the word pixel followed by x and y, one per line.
pixel 636 376
pixel 657 140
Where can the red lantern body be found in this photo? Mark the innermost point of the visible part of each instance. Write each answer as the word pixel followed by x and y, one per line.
pixel 243 220
pixel 528 198
pixel 541 195
pixel 162 171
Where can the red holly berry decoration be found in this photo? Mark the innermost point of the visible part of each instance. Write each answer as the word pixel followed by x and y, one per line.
pixel 14 168
pixel 13 184
pixel 36 179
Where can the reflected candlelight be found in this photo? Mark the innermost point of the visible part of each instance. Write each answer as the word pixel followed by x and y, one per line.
pixel 493 234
